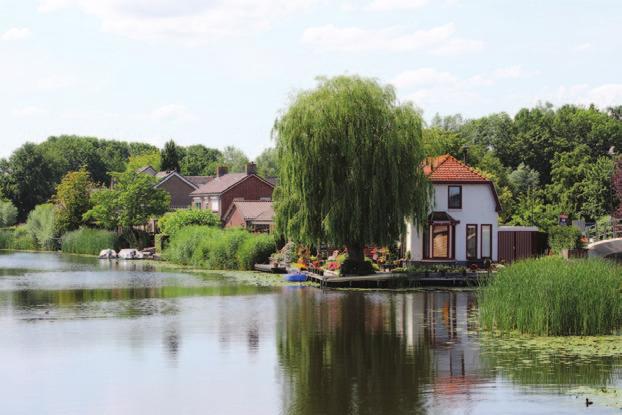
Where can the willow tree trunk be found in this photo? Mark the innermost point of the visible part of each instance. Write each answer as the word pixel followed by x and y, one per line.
pixel 355 252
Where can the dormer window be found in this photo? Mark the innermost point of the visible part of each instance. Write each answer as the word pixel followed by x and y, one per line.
pixel 454 197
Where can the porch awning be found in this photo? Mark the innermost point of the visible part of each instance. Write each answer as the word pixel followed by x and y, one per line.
pixel 441 217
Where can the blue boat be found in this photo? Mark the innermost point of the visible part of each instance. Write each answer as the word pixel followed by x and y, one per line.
pixel 295 277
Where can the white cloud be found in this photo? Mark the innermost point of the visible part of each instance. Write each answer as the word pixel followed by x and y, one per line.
pixel 438 39
pixel 603 95
pixel 51 82
pixel 432 87
pixel 28 111
pixel 172 112
pixel 582 47
pixel 423 76
pixel 191 21
pixel 16 33
pixel 386 5
pixel 459 46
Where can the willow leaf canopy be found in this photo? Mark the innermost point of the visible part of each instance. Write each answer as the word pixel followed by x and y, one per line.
pixel 350 158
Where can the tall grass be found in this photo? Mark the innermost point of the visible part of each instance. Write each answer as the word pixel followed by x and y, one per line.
pixel 88 241
pixel 18 238
pixel 554 297
pixel 213 248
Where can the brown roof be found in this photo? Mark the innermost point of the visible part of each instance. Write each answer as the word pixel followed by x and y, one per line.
pixel 254 210
pixel 222 183
pixel 448 169
pixel 199 180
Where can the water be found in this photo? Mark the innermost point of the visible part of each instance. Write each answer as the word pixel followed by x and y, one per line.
pixel 80 336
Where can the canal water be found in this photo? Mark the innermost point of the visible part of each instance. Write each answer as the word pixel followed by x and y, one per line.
pixel 83 336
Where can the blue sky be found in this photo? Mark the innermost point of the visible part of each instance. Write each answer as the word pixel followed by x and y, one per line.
pixel 218 72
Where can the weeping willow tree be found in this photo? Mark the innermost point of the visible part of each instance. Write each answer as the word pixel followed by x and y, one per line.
pixel 349 157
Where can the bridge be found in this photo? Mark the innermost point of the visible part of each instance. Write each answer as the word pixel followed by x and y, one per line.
pixel 605 240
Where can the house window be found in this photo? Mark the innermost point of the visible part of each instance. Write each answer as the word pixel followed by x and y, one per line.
pixel 486 241
pixel 214 203
pixel 197 204
pixel 454 197
pixel 440 241
pixel 471 241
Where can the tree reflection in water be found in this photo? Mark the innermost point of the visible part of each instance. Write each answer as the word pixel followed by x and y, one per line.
pixel 346 353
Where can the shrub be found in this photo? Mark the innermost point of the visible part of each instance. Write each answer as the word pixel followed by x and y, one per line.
pixel 255 250
pixel 41 224
pixel 350 267
pixel 134 238
pixel 224 249
pixel 216 248
pixel 88 241
pixel 22 239
pixel 6 238
pixel 563 237
pixel 552 296
pixel 171 222
pixel 182 246
pixel 8 214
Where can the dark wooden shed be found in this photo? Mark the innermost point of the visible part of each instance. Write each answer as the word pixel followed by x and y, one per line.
pixel 519 242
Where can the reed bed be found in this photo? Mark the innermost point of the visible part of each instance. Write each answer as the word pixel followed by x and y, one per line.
pixel 554 297
pixel 88 241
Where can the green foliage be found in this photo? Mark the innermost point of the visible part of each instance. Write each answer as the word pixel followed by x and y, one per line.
pixel 23 239
pixel 268 163
pixel 349 173
pixel 199 160
pixel 27 179
pixel 144 159
pixel 131 202
pixel 41 225
pixel 563 237
pixel 523 179
pixel 171 222
pixel 554 297
pixel 88 241
pixel 235 159
pixel 255 250
pixel 170 156
pixel 8 214
pixel 215 248
pixel 72 199
pixel 135 238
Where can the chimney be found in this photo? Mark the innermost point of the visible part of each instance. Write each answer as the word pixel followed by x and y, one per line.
pixel 251 168
pixel 221 171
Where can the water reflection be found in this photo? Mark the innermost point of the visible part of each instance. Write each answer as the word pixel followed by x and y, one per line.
pixel 162 342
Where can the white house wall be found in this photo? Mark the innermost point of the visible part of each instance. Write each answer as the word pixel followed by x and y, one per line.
pixel 478 207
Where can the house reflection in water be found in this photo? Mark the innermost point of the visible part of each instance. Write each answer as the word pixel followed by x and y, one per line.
pixel 341 351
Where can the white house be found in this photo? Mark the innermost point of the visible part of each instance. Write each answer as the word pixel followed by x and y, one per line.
pixel 463 224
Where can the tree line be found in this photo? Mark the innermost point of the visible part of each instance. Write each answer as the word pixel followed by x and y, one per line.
pixel 544 161
pixel 31 175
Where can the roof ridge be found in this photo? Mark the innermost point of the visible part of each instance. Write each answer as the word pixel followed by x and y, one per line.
pixel 472 169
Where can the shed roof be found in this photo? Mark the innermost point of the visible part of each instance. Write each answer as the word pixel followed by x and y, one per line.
pixel 254 210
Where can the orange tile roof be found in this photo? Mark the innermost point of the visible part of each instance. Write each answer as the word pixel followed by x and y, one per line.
pixel 448 169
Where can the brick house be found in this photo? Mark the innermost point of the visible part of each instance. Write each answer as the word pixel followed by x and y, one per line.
pixel 219 193
pixel 178 186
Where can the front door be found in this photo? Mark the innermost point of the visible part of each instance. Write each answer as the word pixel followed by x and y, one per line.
pixel 440 241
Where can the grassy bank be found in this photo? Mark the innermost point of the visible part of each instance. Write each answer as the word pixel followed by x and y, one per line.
pixel 554 297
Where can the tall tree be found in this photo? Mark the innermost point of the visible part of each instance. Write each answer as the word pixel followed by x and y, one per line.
pixel 131 202
pixel 234 158
pixel 26 179
pixel 72 199
pixel 268 163
pixel 143 160
pixel 200 160
pixel 170 156
pixel 349 158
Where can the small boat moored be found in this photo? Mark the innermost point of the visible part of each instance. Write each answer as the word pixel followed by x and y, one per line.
pixel 107 254
pixel 295 277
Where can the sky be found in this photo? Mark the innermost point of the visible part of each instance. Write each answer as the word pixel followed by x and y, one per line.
pixel 219 72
